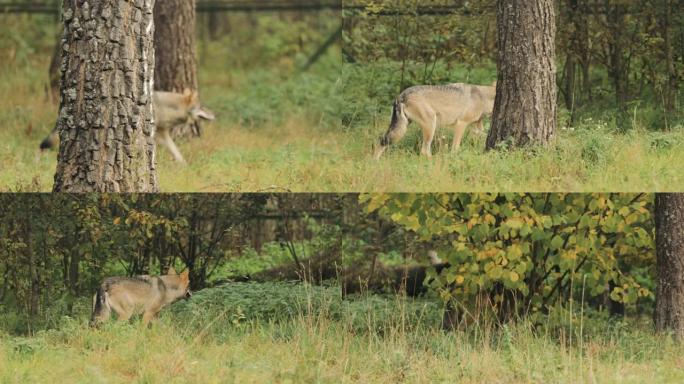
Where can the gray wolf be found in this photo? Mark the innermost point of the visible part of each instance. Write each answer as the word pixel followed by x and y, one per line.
pixel 128 296
pixel 457 105
pixel 171 111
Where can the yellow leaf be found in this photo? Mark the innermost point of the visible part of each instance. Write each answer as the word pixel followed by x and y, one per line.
pixel 117 220
pixel 459 279
pixel 514 277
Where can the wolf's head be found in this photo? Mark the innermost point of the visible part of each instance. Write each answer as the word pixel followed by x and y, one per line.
pixel 196 113
pixel 177 286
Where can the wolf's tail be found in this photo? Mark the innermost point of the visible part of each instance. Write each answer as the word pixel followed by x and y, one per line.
pixel 397 128
pixel 100 307
pixel 50 141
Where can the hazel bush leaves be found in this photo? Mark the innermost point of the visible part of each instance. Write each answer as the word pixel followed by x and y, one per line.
pixel 533 244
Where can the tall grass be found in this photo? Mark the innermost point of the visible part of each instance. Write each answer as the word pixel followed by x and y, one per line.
pixel 316 342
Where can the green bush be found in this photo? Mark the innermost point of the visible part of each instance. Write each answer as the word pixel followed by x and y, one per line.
pixel 241 303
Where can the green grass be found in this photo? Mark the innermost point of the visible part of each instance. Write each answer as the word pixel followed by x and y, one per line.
pixel 280 130
pixel 300 152
pixel 291 333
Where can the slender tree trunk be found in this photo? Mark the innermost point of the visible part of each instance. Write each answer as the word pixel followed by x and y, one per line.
pixel 574 50
pixel 525 106
pixel 174 42
pixel 583 47
pixel 106 119
pixel 618 64
pixel 671 84
pixel 669 219
pixel 53 70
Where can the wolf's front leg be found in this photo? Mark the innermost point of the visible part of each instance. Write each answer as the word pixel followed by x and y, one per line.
pixel 165 139
pixel 459 130
pixel 429 128
pixel 148 316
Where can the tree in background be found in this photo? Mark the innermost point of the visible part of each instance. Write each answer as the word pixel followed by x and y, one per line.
pixel 106 112
pixel 525 106
pixel 669 218
pixel 620 60
pixel 175 50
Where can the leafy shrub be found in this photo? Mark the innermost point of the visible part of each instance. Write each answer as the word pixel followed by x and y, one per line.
pixel 241 303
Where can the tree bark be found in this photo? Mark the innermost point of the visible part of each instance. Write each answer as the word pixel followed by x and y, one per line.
pixel 669 220
pixel 106 118
pixel 671 83
pixel 525 106
pixel 174 42
pixel 618 64
pixel 53 70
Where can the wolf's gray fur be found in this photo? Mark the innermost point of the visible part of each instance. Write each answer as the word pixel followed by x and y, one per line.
pixel 455 104
pixel 130 295
pixel 170 111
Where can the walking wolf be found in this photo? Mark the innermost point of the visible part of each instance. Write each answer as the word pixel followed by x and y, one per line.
pixel 128 296
pixel 455 104
pixel 171 110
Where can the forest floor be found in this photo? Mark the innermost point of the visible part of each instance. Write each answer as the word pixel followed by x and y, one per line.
pixel 209 345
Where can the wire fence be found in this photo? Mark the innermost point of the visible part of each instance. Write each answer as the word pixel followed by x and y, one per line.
pixel 52 7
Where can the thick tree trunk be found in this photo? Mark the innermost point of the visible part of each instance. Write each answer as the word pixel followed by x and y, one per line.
pixel 669 219
pixel 174 42
pixel 106 119
pixel 525 106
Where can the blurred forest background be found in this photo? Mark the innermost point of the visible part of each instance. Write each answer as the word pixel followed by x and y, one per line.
pixel 612 56
pixel 268 70
pixel 57 248
pixel 541 285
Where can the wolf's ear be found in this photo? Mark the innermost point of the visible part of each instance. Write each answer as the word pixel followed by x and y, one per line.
pixel 171 271
pixel 185 276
